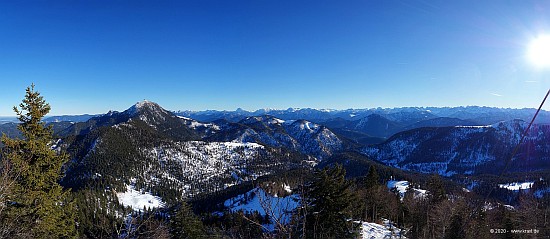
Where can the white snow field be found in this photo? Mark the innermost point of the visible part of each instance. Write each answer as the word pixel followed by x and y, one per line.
pixel 138 200
pixel 515 186
pixel 402 187
pixel 371 230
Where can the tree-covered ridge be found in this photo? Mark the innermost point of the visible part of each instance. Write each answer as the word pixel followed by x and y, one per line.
pixel 133 150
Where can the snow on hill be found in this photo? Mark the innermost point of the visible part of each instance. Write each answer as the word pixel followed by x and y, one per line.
pixel 516 186
pixel 149 112
pixel 138 200
pixel 402 186
pixel 314 139
pixel 213 164
pixel 388 230
pixel 465 149
pixel 297 135
pixel 257 200
pixel 254 199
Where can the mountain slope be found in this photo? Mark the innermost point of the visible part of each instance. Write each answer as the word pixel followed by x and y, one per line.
pixel 155 151
pixel 441 122
pixel 298 135
pixel 465 150
pixel 378 126
pixel 164 122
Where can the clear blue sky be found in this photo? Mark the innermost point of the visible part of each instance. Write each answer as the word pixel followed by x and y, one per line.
pixel 93 56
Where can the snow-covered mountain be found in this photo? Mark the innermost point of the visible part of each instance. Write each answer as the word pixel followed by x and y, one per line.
pixel 404 115
pixel 370 126
pixel 465 149
pixel 298 135
pixel 154 151
pixel 145 112
pixel 443 140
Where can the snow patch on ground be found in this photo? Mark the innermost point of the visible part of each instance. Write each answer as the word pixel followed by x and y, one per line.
pixel 195 124
pixel 278 208
pixel 138 200
pixel 213 165
pixel 515 186
pixel 276 121
pixel 402 186
pixel 287 188
pixel 371 230
pixel 473 126
pixel 183 117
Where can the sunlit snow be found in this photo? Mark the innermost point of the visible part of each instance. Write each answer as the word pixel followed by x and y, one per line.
pixel 402 186
pixel 138 200
pixel 371 230
pixel 515 186
pixel 278 208
pixel 254 199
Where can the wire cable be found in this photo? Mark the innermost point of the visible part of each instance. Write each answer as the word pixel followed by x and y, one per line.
pixel 518 145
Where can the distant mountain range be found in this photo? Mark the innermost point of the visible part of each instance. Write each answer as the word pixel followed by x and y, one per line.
pixel 69 118
pixel 375 125
pixel 51 119
pixel 403 116
pixel 448 141
pixel 177 155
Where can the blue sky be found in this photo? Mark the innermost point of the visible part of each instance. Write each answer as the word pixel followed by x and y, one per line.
pixel 94 56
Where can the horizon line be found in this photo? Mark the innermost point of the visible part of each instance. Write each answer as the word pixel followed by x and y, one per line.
pixel 289 108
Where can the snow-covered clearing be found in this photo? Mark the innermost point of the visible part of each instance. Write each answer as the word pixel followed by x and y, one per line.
pixel 515 186
pixel 138 200
pixel 371 230
pixel 201 166
pixel 277 208
pixel 256 199
pixel 402 186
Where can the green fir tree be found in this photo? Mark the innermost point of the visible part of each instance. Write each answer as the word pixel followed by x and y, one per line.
pixel 185 224
pixel 38 203
pixel 330 200
pixel 436 189
pixel 372 178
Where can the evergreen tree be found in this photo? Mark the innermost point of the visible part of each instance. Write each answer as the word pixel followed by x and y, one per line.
pixel 372 178
pixel 38 202
pixel 330 199
pixel 456 229
pixel 436 189
pixel 185 224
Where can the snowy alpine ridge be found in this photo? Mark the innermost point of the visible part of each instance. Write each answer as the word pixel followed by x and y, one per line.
pixel 465 149
pixel 403 116
pixel 297 135
pixel 210 166
pixel 162 154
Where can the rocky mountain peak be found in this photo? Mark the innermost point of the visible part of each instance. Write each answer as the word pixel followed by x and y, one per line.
pixel 145 106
